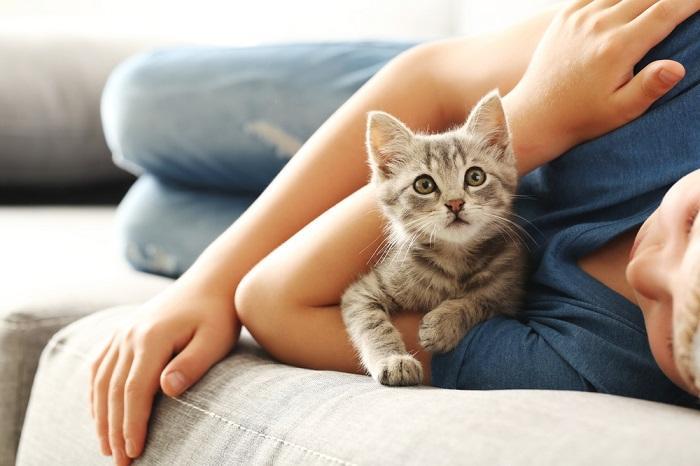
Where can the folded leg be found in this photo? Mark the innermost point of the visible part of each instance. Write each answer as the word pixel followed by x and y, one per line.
pixel 229 118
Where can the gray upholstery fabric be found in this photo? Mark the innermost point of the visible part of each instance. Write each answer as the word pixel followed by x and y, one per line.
pixel 250 410
pixel 50 129
pixel 58 264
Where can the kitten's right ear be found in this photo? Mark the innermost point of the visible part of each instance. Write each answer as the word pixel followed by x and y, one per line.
pixel 387 140
pixel 488 120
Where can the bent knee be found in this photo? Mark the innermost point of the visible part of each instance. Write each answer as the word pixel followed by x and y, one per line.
pixel 130 107
pixel 147 241
pixel 144 251
pixel 261 292
pixel 251 296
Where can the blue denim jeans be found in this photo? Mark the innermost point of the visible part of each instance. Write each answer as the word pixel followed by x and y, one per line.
pixel 208 128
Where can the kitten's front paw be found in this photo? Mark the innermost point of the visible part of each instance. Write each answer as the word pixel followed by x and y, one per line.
pixel 398 370
pixel 440 330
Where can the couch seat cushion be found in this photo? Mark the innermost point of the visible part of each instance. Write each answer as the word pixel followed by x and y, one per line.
pixel 249 409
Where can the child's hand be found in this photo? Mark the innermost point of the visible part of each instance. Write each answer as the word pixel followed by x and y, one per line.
pixel 580 83
pixel 199 327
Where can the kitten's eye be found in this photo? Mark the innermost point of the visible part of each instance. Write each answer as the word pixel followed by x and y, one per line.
pixel 475 176
pixel 424 185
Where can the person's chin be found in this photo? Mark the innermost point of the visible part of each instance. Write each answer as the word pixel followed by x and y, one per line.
pixel 687 364
pixel 686 341
pixel 682 382
pixel 695 368
pixel 685 382
pixel 674 366
pixel 672 370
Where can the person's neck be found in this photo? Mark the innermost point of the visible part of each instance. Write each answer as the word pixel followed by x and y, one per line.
pixel 608 264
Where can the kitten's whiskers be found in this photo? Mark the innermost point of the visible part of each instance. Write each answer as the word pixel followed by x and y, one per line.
pixel 512 227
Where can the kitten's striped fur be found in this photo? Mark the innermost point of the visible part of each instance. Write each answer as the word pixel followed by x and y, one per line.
pixel 457 275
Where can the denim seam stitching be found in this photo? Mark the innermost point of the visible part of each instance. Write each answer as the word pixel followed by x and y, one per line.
pixel 69 350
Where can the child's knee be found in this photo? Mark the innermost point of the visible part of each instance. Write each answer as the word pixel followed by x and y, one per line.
pixel 129 109
pixel 143 234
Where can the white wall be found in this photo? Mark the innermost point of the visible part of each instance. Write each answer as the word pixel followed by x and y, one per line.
pixel 235 21
pixel 477 16
pixel 252 21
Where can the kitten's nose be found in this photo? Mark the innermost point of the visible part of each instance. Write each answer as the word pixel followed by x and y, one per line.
pixel 455 205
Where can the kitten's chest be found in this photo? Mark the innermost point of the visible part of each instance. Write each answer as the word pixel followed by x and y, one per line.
pixel 421 282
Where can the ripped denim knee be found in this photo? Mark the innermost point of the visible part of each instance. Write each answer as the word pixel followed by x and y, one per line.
pixel 152 258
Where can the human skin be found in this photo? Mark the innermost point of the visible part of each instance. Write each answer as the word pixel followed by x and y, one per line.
pixel 662 268
pixel 653 267
pixel 289 244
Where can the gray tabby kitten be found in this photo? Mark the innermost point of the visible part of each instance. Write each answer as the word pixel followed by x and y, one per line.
pixel 453 254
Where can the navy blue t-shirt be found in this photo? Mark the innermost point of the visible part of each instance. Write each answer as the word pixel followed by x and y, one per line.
pixel 573 332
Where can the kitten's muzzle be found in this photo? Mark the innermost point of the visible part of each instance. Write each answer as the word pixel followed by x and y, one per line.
pixel 457 221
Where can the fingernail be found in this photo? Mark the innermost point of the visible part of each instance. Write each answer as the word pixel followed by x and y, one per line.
pixel 668 77
pixel 119 456
pixel 130 450
pixel 176 381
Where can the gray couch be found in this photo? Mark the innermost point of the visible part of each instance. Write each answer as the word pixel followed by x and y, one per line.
pixel 65 288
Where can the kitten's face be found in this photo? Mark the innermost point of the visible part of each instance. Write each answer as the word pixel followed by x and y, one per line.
pixel 450 186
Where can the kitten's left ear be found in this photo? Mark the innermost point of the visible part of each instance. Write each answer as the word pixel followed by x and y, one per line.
pixel 488 120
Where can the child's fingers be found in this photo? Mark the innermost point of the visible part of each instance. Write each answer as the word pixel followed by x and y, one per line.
pixel 577 5
pixel 94 366
pixel 627 10
pixel 99 396
pixel 115 414
pixel 208 346
pixel 655 24
pixel 655 80
pixel 141 386
pixel 604 4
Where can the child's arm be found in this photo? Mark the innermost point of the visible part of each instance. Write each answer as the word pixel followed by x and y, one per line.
pixel 289 301
pixel 580 82
pixel 430 87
